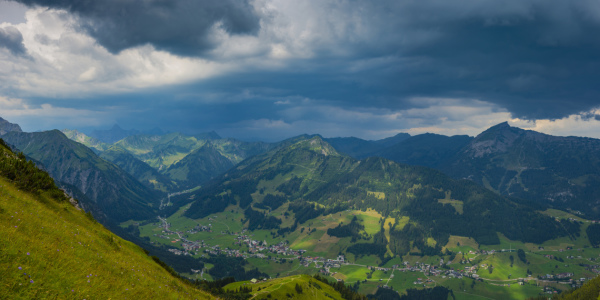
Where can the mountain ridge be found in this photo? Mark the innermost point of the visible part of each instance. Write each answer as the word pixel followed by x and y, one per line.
pixel 116 193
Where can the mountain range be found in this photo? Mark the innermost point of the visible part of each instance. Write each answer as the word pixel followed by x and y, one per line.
pixel 425 190
pixel 312 179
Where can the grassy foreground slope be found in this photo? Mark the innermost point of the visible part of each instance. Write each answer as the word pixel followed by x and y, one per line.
pixel 50 249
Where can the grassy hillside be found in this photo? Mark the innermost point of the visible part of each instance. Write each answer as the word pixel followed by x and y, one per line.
pixel 88 141
pixel 160 151
pixel 199 166
pixel 51 249
pixel 300 287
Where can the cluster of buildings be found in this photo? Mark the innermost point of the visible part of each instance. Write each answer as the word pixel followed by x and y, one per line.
pixel 200 228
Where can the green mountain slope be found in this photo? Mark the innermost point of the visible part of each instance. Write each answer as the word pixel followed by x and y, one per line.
pixel 160 151
pixel 199 166
pixel 429 150
pixel 236 150
pixel 138 169
pixel 116 193
pixel 563 172
pixel 52 250
pixel 313 179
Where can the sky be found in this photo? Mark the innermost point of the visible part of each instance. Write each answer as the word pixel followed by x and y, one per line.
pixel 272 69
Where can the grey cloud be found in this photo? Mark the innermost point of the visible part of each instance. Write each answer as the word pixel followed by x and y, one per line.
pixel 538 59
pixel 181 27
pixel 11 39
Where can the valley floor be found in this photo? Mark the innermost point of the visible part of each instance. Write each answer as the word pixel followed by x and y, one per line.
pixel 473 272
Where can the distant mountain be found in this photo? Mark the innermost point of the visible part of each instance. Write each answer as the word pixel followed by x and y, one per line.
pixel 236 150
pixel 563 172
pixel 199 166
pixel 212 135
pixel 112 135
pixel 429 150
pixel 138 169
pixel 179 157
pixel 311 171
pixel 353 146
pixel 89 142
pixel 160 151
pixel 386 142
pixel 6 126
pixel 359 148
pixel 116 193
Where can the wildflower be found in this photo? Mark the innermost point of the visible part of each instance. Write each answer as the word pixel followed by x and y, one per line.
pixel 31 281
pixel 20 268
pixel 27 253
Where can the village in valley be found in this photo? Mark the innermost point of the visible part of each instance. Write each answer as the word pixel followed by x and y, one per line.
pixel 469 266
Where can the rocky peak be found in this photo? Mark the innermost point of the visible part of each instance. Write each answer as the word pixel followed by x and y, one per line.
pixel 496 139
pixel 6 127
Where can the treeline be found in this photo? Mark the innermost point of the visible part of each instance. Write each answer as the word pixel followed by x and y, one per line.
pixel 270 201
pixel 304 211
pixel 436 293
pixel 226 266
pixel 593 233
pixel 377 247
pixel 484 214
pixel 400 241
pixel 353 230
pixel 26 175
pixel 291 186
pixel 347 292
pixel 257 220
pixel 217 195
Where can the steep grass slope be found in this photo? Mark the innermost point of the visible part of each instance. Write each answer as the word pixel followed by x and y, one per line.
pixel 51 250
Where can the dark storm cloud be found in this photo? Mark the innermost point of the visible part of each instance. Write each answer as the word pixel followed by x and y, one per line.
pixel 538 59
pixel 11 39
pixel 178 26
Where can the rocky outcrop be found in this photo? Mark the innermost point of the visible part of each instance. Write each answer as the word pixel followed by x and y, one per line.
pixel 6 127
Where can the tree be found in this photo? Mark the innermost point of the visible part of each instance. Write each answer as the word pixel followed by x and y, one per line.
pixel 298 289
pixel 521 255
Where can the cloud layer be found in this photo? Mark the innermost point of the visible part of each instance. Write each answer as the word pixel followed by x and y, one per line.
pixel 180 27
pixel 363 67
